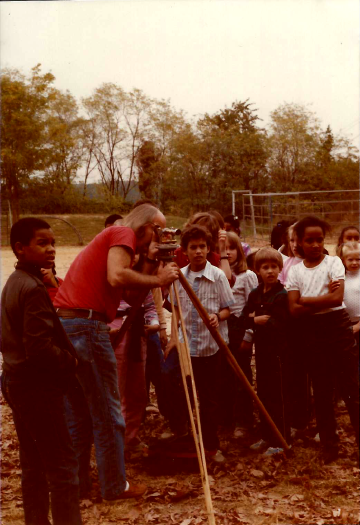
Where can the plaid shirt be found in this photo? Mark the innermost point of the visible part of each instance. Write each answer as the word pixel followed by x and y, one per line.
pixel 214 292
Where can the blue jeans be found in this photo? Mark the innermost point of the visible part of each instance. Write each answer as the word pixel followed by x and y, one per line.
pixel 94 411
pixel 47 458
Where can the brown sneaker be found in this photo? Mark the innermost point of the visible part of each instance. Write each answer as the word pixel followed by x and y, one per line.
pixel 134 491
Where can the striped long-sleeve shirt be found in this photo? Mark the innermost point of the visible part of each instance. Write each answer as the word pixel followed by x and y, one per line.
pixel 214 292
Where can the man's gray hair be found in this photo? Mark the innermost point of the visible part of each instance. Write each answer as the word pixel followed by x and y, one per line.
pixel 139 218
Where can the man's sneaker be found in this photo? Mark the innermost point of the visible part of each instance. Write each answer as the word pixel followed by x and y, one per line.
pixel 272 451
pixel 134 491
pixel 241 433
pixel 216 456
pixel 259 446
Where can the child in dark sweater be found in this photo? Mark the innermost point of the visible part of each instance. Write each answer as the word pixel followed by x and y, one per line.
pixel 38 362
pixel 266 314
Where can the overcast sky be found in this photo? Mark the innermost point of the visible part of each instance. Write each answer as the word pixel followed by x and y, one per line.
pixel 202 55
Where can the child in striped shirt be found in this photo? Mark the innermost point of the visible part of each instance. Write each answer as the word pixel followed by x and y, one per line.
pixel 213 290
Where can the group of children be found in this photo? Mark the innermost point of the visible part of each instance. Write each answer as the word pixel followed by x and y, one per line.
pixel 292 310
pixel 300 311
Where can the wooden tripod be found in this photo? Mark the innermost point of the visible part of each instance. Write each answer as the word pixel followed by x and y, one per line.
pixel 187 373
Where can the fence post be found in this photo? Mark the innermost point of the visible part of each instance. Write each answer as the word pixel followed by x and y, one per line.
pixel 7 229
pixel 10 215
pixel 233 202
pixel 271 214
pixel 297 205
pixel 252 213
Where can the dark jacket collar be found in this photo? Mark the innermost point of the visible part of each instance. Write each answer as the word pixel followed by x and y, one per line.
pixel 33 269
pixel 274 289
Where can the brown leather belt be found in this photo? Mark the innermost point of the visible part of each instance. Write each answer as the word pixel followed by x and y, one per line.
pixel 81 313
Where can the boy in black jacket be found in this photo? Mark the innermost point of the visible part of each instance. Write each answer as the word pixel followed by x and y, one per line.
pixel 38 363
pixel 267 314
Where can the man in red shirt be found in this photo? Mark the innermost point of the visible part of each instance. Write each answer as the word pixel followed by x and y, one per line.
pixel 88 299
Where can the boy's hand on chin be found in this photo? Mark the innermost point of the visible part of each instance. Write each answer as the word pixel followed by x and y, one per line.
pixel 49 277
pixel 261 319
pixel 222 237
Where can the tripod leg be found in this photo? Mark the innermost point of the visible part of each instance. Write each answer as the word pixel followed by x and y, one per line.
pixel 185 364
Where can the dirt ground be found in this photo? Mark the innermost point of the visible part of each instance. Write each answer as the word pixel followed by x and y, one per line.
pixel 248 489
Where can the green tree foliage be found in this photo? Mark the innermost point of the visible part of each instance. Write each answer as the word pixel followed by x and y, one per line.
pixel 63 142
pixel 187 186
pixel 337 163
pixel 24 105
pixel 238 147
pixel 127 138
pixel 156 154
pixel 294 143
pixel 147 161
pixel 225 151
pixel 120 123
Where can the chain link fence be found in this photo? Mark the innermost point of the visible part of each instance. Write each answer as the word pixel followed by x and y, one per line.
pixel 260 212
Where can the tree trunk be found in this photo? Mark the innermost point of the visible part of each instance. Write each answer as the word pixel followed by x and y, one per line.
pixel 13 197
pixel 14 208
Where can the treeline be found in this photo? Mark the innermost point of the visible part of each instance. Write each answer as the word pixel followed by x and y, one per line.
pixel 50 141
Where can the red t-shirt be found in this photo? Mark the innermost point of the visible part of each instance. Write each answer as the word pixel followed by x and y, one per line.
pixel 52 290
pixel 86 285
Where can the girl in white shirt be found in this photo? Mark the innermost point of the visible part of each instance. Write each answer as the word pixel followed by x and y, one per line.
pixel 299 384
pixel 330 345
pixel 236 402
